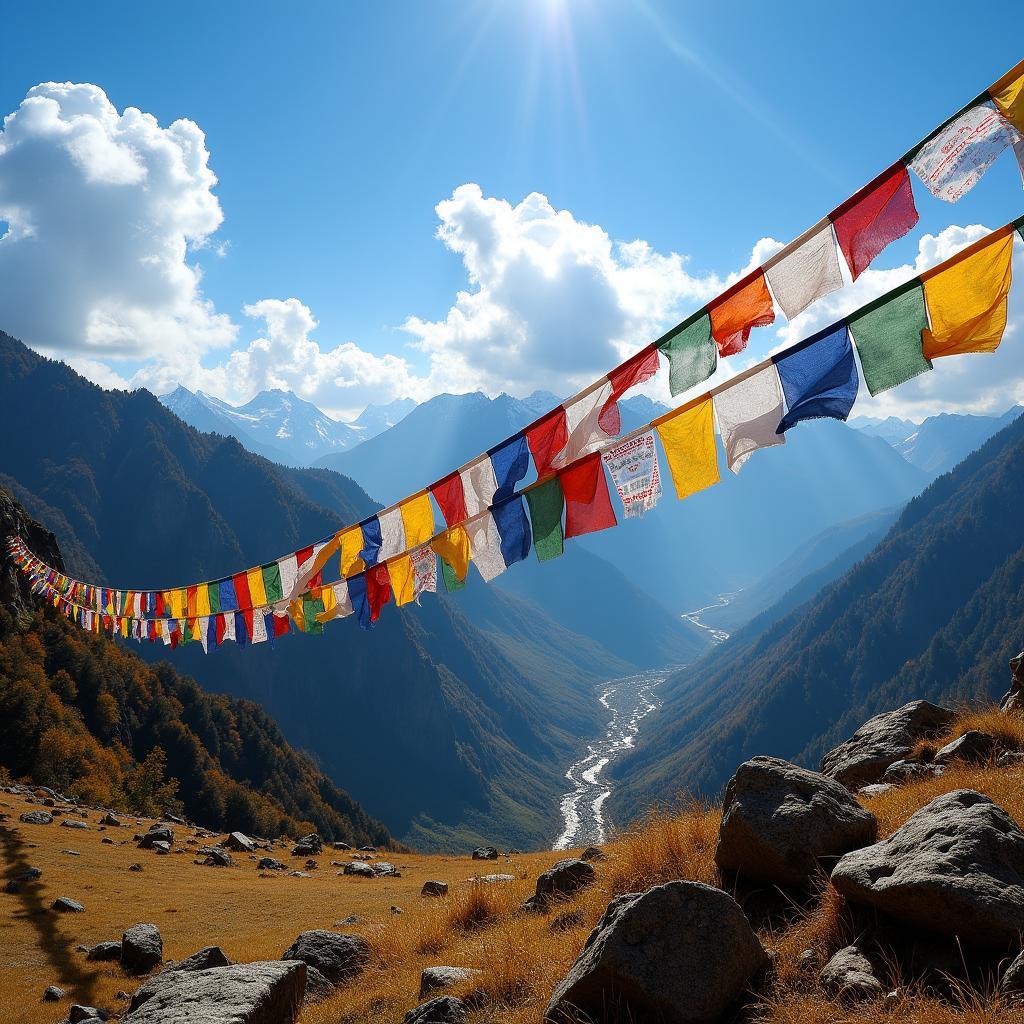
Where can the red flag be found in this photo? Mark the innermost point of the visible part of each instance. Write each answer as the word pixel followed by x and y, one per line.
pixel 588 505
pixel 878 214
pixel 635 370
pixel 241 581
pixel 221 629
pixel 547 438
pixel 450 498
pixel 281 625
pixel 378 589
pixel 247 615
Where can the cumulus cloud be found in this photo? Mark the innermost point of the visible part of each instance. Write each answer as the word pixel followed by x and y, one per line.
pixel 101 210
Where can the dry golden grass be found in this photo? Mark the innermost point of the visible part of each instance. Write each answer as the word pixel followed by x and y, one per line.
pixel 520 957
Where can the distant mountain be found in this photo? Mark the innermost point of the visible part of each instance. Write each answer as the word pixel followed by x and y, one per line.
pixel 275 424
pixel 375 419
pixel 934 611
pixel 891 429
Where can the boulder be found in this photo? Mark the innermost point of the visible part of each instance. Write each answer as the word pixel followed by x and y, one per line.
pixel 1012 982
pixel 494 879
pixel 850 975
pixel 900 772
pixel 368 849
pixel 156 834
pixel 37 818
pixel 1013 699
pixel 882 740
pixel 104 951
pixel 307 846
pixel 271 864
pixel 973 746
pixel 142 948
pixel 565 878
pixel 342 846
pixel 318 987
pixel 74 823
pixel 66 905
pixel 265 992
pixel 240 843
pixel 876 789
pixel 161 847
pixel 53 994
pixel 357 867
pixel 218 858
pixel 434 888
pixel 385 870
pixel 956 867
pixel 680 953
pixel 593 853
pixel 79 1013
pixel 485 853
pixel 441 1010
pixel 110 819
pixel 434 978
pixel 337 957
pixel 203 960
pixel 1010 759
pixel 779 821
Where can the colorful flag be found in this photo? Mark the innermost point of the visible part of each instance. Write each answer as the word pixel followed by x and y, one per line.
pixel 273 586
pixel 749 412
pixel 339 605
pixel 418 520
pixel 546 438
pixel 478 485
pixel 288 567
pixel 454 548
pixel 213 599
pixel 392 533
pixel 688 437
pixel 513 528
pixel 351 543
pixel 819 378
pixel 372 541
pixel 452 583
pixel 226 600
pixel 692 355
pixel 583 422
pixel 203 599
pixel 485 545
pixel 401 573
pixel 241 587
pixel 878 214
pixel 634 471
pixel 636 370
pixel 887 334
pixel 203 630
pixel 311 566
pixel 424 567
pixel 955 160
pixel 588 505
pixel 745 305
pixel 546 504
pixel 229 626
pixel 510 461
pixel 378 590
pixel 450 500
pixel 258 626
pixel 804 273
pixel 1008 96
pixel 966 298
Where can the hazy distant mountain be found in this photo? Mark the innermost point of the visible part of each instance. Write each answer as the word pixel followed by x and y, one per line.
pixel 375 419
pixel 276 424
pixel 891 429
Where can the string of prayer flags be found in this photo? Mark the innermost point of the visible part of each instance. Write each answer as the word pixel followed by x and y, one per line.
pixel 749 410
pixel 588 505
pixel 819 378
pixel 878 214
pixel 634 470
pixel 510 462
pixel 417 520
pixel 450 500
pixel 691 353
pixel 638 369
pixel 957 157
pixel 967 297
pixel 513 529
pixel 805 271
pixel 746 305
pixel 546 506
pixel 338 605
pixel 688 436
pixel 888 337
pixel 478 486
pixel 485 543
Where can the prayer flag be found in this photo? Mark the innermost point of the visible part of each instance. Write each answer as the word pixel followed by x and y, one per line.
pixel 878 214
pixel 635 370
pixel 819 378
pixel 546 438
pixel 312 561
pixel 966 298
pixel 418 520
pixel 546 504
pixel 485 545
pixel 258 626
pixel 226 601
pixel 634 470
pixel 220 621
pixel 954 161
pixel 190 600
pixel 378 590
pixel 424 566
pixel 583 422
pixel 241 588
pixel 241 633
pixel 1008 96
pixel 513 528
pixel 372 541
pixel 478 485
pixel 351 545
pixel 203 629
pixel 203 599
pixel 400 571
pixel 213 598
pixel 392 533
pixel 688 437
pixel 747 304
pixel 281 627
pixel 804 273
pixel 229 625
pixel 588 505
pixel 339 605
pixel 312 607
pixel 289 570
pixel 887 334
pixel 453 547
pixel 451 581
pixel 749 413
pixel 692 355
pixel 450 500
pixel 509 463
pixel 273 586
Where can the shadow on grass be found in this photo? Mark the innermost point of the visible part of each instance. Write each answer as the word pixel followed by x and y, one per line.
pixel 56 946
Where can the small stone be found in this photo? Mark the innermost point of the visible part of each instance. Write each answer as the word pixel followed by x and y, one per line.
pixel 71 853
pixel 441 1010
pixel 592 853
pixel 142 948
pixel 74 823
pixel 105 951
pixel 434 978
pixel 850 975
pixel 110 819
pixel 270 864
pixel 37 818
pixel 1011 759
pixel 79 1013
pixel 358 868
pixel 434 888
pixel 342 846
pixel 875 789
pixel 65 905
pixel 974 747
pixel 485 853
pixel 239 842
pixel 494 879
pixel 134 867
pixel 565 878
pixel 53 994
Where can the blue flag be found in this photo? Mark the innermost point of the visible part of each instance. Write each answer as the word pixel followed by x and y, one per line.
pixel 360 604
pixel 819 378
pixel 510 461
pixel 371 541
pixel 513 529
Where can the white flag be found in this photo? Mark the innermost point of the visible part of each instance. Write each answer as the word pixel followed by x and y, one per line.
pixel 635 473
pixel 749 413
pixel 478 485
pixel 392 534
pixel 582 426
pixel 424 571
pixel 485 546
pixel 806 273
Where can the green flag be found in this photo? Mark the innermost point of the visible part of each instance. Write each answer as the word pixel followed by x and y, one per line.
pixel 692 355
pixel 311 608
pixel 546 504
pixel 214 591
pixel 272 582
pixel 451 581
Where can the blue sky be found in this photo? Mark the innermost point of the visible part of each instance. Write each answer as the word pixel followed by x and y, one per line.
pixel 334 130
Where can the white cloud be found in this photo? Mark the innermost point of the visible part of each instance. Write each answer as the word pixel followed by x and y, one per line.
pixel 102 209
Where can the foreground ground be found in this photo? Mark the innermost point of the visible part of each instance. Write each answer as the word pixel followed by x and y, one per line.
pixel 255 915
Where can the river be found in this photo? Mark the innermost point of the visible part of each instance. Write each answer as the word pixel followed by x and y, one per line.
pixel 630 700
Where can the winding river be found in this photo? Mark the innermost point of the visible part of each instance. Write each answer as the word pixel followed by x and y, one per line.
pixel 630 700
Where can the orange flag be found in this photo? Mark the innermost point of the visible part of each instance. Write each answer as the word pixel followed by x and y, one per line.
pixel 737 311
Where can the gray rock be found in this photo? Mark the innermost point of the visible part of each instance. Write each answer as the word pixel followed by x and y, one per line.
pixel 876 789
pixel 134 867
pixel 203 960
pixel 368 849
pixel 680 953
pixel 342 846
pixel 851 975
pixel 441 1010
pixel 973 746
pixel 900 772
pixel 307 846
pixel 882 740
pixel 271 864
pixel 12 886
pixel 240 843
pixel 357 867
pixel 37 818
pixel 218 858
pixel 592 853
pixel 1013 699
pixel 30 875
pixel 104 951
pixel 1010 759
pixel 337 957
pixel 383 869
pixel 495 879
pixel 1012 981
pixel 142 948
pixel 110 819
pixel 485 853
pixel 156 834
pixel 434 888
pixel 53 994
pixel 66 905
pixel 956 867
pixel 79 1013
pixel 161 847
pixel 74 823
pixel 779 821
pixel 563 879
pixel 265 992
pixel 434 978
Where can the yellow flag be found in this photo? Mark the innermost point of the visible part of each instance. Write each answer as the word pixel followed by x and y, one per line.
pixel 203 599
pixel 688 437
pixel 177 603
pixel 295 610
pixel 453 547
pixel 351 545
pixel 418 520
pixel 1008 94
pixel 403 579
pixel 326 594
pixel 257 591
pixel 966 298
